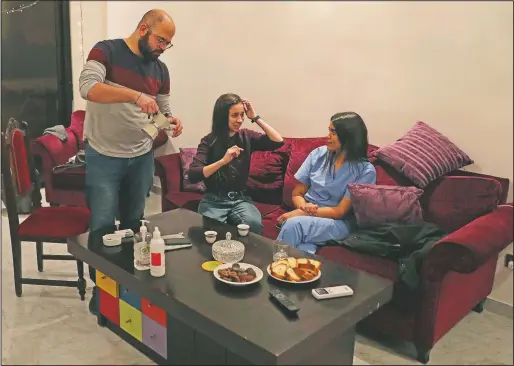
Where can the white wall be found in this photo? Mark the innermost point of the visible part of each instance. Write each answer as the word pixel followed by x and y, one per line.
pixel 448 64
pixel 88 25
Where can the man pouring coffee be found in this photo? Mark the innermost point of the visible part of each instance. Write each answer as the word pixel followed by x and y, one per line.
pixel 124 83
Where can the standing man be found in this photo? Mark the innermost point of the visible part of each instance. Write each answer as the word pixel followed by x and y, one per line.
pixel 123 82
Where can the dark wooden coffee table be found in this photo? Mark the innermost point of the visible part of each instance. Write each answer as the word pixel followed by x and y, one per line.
pixel 203 321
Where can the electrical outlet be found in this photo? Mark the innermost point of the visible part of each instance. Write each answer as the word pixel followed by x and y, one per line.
pixel 508 258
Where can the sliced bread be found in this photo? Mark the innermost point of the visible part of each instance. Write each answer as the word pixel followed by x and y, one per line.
pixel 292 276
pixel 292 262
pixel 279 271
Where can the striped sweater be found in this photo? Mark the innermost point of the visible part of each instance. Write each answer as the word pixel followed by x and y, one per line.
pixel 115 129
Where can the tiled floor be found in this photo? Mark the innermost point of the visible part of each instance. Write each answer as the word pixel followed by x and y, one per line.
pixel 50 325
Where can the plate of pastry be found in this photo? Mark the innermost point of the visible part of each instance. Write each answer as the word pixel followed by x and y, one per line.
pixel 295 270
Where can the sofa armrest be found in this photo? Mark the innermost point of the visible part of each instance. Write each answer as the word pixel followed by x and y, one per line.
pixel 53 151
pixel 466 249
pixel 169 170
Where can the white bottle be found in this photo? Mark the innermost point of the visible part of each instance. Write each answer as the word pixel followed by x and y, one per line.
pixel 142 248
pixel 157 262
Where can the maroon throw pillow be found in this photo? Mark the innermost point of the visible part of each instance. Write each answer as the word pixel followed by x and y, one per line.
pixel 378 204
pixel 423 155
pixel 186 158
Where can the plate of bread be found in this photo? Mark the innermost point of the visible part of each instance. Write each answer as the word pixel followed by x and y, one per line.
pixel 295 270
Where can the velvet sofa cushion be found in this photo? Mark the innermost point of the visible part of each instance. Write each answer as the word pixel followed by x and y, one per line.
pixel 454 201
pixel 266 177
pixel 186 158
pixel 379 204
pixel 423 155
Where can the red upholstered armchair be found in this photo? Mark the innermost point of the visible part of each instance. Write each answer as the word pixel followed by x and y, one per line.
pixel 457 274
pixel 67 187
pixel 43 224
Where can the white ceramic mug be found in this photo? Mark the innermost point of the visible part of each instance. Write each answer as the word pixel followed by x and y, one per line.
pixel 210 236
pixel 243 229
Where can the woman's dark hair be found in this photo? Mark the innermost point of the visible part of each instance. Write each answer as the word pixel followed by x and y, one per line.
pixel 353 136
pixel 220 128
pixel 220 114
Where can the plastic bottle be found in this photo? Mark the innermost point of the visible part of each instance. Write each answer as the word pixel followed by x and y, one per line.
pixel 142 248
pixel 157 262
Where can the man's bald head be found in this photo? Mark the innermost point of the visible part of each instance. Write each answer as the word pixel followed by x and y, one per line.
pixel 155 17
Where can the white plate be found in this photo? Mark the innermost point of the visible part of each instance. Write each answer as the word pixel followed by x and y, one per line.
pixel 287 281
pixel 258 272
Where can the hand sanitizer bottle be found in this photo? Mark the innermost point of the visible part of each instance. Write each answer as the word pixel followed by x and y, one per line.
pixel 142 248
pixel 157 262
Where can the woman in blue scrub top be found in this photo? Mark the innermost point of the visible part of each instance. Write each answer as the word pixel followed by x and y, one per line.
pixel 322 200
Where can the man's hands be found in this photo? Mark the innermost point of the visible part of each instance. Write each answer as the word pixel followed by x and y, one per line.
pixel 249 110
pixel 148 104
pixel 177 130
pixel 232 152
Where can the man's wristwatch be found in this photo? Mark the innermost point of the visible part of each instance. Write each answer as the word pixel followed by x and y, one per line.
pixel 255 119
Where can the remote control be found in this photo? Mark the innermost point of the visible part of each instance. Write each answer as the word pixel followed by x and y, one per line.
pixel 282 300
pixel 331 292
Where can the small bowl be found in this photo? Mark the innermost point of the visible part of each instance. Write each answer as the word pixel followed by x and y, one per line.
pixel 210 236
pixel 243 229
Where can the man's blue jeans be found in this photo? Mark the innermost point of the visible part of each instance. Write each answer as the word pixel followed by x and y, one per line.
pixel 116 187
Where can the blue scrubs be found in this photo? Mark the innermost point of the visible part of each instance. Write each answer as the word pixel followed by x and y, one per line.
pixel 326 189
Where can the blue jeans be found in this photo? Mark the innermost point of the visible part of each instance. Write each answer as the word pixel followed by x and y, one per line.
pixel 116 187
pixel 239 210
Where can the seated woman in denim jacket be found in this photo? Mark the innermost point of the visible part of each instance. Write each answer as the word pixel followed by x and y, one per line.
pixel 222 161
pixel 322 200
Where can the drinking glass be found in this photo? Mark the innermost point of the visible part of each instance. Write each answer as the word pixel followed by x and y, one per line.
pixel 280 250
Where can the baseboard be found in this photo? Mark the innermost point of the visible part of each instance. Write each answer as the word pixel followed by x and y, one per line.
pixel 499 307
pixel 156 189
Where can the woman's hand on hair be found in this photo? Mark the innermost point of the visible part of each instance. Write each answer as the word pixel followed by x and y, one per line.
pixel 232 152
pixel 248 107
pixel 309 208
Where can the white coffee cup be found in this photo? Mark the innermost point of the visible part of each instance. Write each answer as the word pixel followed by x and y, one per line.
pixel 210 236
pixel 243 229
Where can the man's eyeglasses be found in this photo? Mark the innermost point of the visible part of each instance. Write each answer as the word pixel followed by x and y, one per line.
pixel 163 42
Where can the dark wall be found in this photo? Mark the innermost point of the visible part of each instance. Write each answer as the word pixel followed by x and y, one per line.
pixel 36 65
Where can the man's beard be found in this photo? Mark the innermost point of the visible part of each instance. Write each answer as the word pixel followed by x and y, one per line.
pixel 147 53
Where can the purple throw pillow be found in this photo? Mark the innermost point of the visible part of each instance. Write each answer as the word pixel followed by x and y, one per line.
pixel 423 155
pixel 376 204
pixel 186 158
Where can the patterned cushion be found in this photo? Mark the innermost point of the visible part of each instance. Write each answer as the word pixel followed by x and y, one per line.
pixel 186 158
pixel 423 155
pixel 378 204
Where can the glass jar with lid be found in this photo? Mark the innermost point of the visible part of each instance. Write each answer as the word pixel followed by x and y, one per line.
pixel 228 250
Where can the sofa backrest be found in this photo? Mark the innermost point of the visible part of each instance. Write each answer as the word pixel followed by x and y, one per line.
pixel 300 149
pixel 453 201
pixel 450 201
